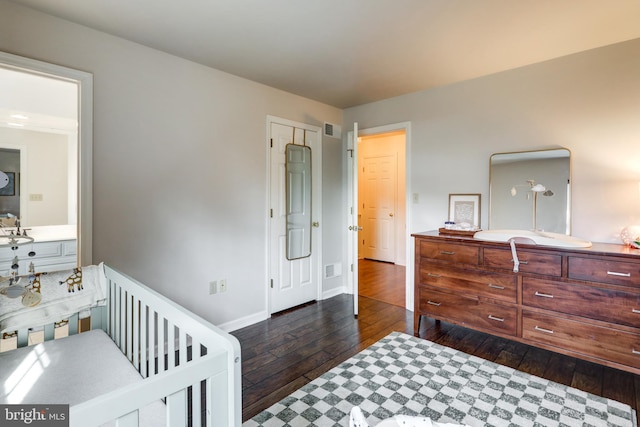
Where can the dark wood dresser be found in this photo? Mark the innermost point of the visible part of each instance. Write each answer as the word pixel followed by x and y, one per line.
pixel 580 302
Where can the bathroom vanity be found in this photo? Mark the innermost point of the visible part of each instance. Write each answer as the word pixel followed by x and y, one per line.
pixel 55 249
pixel 583 302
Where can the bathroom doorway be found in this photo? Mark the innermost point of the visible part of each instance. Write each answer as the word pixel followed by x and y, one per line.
pixel 382 216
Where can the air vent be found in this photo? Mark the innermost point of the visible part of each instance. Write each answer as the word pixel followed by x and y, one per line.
pixel 334 131
pixel 332 270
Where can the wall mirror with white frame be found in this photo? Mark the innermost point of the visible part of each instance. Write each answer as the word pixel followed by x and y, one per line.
pixel 531 190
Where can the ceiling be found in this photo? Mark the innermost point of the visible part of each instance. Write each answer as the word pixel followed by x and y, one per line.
pixel 350 52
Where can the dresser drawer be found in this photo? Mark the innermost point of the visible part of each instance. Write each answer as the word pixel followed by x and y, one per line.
pixel 467 311
pixel 451 252
pixel 490 285
pixel 591 340
pixel 605 271
pixel 530 262
pixel 582 300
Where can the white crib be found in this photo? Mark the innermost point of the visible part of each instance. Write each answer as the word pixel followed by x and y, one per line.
pixel 176 353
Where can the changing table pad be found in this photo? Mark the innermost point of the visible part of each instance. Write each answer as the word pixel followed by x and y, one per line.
pixel 70 370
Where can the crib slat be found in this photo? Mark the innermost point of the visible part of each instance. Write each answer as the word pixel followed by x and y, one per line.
pixel 110 311
pixel 116 315
pixel 177 408
pixel 196 406
pixel 73 324
pixel 153 328
pixel 135 334
pixel 161 341
pixel 129 420
pixel 171 344
pixel 122 314
pixel 23 337
pixel 49 331
pixel 129 326
pixel 97 318
pixel 143 340
pixel 182 345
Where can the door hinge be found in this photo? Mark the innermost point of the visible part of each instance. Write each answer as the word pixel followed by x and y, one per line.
pixel 271 283
pixel 271 213
pixel 350 151
pixel 352 268
pixel 271 142
pixel 351 210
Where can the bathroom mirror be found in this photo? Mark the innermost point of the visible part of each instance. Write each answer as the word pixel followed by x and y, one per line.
pixel 531 190
pixel 298 200
pixel 46 144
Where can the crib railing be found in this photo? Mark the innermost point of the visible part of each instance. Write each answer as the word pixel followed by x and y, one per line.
pixel 192 365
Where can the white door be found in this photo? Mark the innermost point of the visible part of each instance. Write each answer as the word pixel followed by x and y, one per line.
pixel 378 203
pixel 353 227
pixel 291 282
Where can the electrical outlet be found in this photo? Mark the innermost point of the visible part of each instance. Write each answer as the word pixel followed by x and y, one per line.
pixel 213 287
pixel 223 285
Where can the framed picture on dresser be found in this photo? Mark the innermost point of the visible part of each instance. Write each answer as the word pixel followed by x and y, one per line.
pixel 465 208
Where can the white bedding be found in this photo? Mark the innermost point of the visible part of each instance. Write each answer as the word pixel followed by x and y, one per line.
pixel 69 371
pixel 59 299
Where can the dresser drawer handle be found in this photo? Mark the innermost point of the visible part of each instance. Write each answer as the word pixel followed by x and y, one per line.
pixel 447 253
pixel 635 310
pixel 540 294
pixel 522 262
pixel 491 285
pixel 546 331
pixel 437 276
pixel 499 319
pixel 437 304
pixel 634 351
pixel 615 273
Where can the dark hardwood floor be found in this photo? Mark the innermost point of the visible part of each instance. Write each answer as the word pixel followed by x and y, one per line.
pixel 382 281
pixel 292 348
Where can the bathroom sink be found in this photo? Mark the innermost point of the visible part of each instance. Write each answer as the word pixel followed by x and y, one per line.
pixel 543 238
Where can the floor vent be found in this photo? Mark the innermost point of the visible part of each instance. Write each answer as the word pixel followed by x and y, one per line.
pixel 332 270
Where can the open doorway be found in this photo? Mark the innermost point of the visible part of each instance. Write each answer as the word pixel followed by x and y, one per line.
pixel 382 216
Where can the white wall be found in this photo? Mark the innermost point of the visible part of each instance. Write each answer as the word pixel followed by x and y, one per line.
pixel 46 174
pixel 179 193
pixel 587 102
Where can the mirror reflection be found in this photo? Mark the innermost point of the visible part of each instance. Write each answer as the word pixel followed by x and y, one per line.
pixel 38 149
pixel 45 153
pixel 298 201
pixel 531 191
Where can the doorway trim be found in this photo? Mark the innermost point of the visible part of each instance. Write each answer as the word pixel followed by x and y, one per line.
pixel 316 187
pixel 409 269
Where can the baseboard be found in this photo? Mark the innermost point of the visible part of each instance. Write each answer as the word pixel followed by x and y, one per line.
pixel 334 292
pixel 234 325
pixel 243 322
